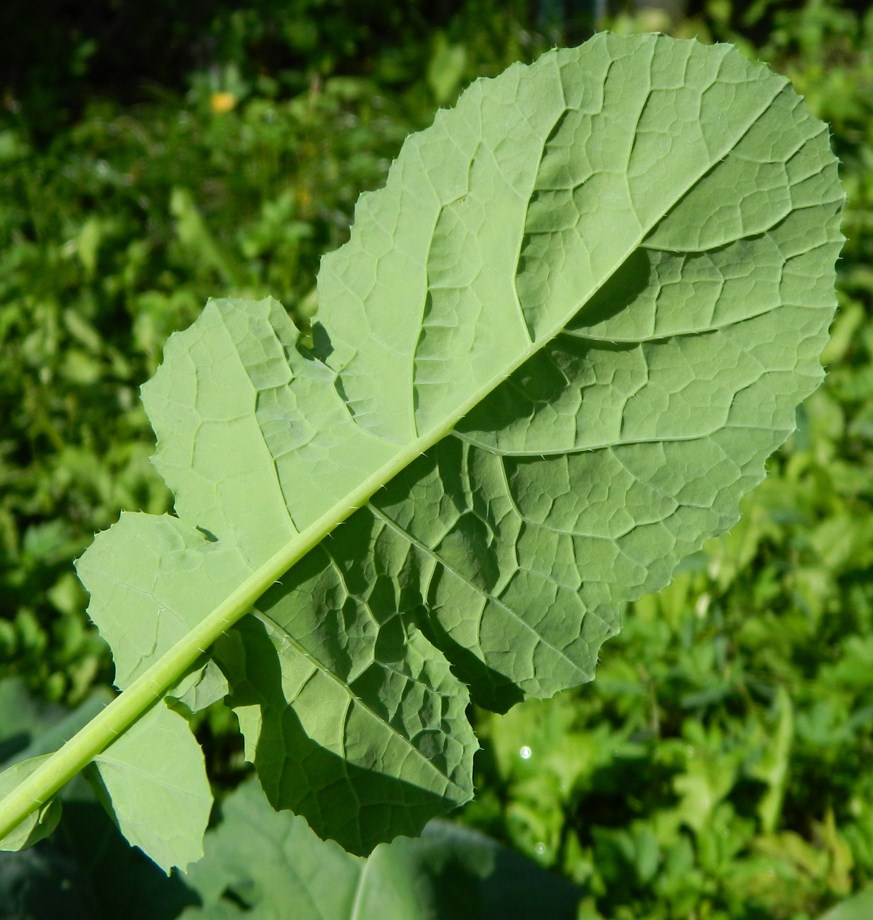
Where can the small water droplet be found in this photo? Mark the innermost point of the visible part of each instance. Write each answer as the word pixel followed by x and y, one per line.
pixel 540 848
pixel 525 752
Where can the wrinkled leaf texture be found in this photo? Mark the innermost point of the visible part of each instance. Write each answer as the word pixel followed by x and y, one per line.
pixel 554 354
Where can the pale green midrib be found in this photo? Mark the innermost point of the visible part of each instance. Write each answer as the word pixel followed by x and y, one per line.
pixel 151 686
pixel 126 767
pixel 360 888
pixel 666 337
pixel 577 449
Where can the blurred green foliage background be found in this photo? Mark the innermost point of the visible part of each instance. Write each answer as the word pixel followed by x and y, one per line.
pixel 153 155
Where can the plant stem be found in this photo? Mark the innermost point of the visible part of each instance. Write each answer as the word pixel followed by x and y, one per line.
pixel 165 673
pixel 171 667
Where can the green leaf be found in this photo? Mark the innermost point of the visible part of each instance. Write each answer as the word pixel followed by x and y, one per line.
pixel 573 227
pixel 40 823
pixel 376 741
pixel 554 354
pixel 160 803
pixel 87 869
pixel 258 861
pixel 40 884
pixel 20 716
pixel 657 326
pixel 858 907
pixel 772 768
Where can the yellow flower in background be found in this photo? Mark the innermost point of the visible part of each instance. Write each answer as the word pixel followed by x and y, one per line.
pixel 222 102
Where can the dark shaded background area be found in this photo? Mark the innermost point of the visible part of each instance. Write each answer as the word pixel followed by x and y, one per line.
pixel 56 54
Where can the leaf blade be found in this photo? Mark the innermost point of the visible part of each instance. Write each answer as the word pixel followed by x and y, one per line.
pixel 550 364
pixel 153 783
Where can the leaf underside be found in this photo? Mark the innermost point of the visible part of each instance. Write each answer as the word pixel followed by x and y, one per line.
pixel 555 353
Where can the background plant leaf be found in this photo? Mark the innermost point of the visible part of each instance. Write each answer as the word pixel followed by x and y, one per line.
pixel 855 908
pixel 260 861
pixel 22 716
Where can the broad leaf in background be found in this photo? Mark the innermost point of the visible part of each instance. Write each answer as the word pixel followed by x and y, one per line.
pixel 554 354
pixel 21 753
pixel 858 907
pixel 261 861
pixel 256 860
